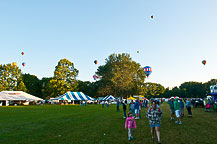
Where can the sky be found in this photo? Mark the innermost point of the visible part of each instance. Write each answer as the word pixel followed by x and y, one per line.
pixel 181 35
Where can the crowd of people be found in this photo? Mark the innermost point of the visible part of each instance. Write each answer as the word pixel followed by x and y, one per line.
pixel 177 105
pixel 154 114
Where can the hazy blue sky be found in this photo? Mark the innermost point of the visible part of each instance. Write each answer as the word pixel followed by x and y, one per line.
pixel 174 43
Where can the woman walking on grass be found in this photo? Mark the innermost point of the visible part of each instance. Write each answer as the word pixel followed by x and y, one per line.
pixel 154 115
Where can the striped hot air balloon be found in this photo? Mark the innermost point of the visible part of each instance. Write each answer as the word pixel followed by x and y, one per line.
pixel 148 70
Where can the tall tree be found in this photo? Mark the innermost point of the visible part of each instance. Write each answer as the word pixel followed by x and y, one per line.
pixel 192 89
pixel 46 90
pixel 89 88
pixel 10 78
pixel 119 76
pixel 33 85
pixel 154 90
pixel 64 78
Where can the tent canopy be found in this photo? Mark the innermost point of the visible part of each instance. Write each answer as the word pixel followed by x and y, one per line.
pixel 131 98
pixel 74 96
pixel 109 98
pixel 18 95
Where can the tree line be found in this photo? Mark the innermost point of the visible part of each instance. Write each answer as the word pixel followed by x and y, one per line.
pixel 120 76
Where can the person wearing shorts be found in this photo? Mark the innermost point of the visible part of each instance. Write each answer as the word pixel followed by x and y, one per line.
pixel 177 109
pixel 154 115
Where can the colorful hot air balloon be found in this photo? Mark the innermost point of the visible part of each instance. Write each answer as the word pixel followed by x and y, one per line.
pixel 152 17
pixel 23 63
pixel 148 70
pixel 95 77
pixel 95 62
pixel 204 62
pixel 14 63
pixel 22 53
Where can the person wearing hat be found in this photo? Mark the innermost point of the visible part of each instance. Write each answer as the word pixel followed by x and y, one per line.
pixel 177 109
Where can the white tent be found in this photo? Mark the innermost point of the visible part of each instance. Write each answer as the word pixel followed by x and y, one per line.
pixel 110 97
pixel 17 96
pixel 79 96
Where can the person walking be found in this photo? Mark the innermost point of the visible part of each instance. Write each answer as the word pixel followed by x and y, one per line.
pixel 130 124
pixel 118 103
pixel 182 105
pixel 103 103
pixel 188 107
pixel 172 111
pixel 140 109
pixel 136 106
pixel 154 115
pixel 131 108
pixel 124 103
pixel 177 110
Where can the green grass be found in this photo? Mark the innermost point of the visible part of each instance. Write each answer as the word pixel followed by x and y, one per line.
pixel 93 124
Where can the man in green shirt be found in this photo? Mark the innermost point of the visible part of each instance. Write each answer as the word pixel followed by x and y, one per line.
pixel 177 109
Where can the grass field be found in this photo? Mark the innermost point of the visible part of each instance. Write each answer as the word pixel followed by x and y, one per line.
pixel 92 124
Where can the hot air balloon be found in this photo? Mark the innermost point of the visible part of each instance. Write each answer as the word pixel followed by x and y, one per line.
pixel 14 63
pixel 152 17
pixel 23 63
pixel 137 51
pixel 95 77
pixel 22 53
pixel 204 62
pixel 148 70
pixel 95 62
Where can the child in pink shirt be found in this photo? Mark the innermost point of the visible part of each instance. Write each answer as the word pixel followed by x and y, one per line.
pixel 130 124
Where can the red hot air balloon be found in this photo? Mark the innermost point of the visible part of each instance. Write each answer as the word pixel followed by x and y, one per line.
pixel 95 62
pixel 22 53
pixel 23 63
pixel 204 62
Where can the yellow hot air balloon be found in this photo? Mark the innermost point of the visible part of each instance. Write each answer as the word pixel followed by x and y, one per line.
pixel 14 63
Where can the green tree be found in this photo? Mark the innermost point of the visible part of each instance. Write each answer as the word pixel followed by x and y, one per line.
pixel 46 91
pixel 176 91
pixel 154 90
pixel 10 78
pixel 21 86
pixel 33 85
pixel 193 89
pixel 64 78
pixel 120 76
pixel 167 93
pixel 89 88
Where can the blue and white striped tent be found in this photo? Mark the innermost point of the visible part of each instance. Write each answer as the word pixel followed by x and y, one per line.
pixel 109 98
pixel 74 96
